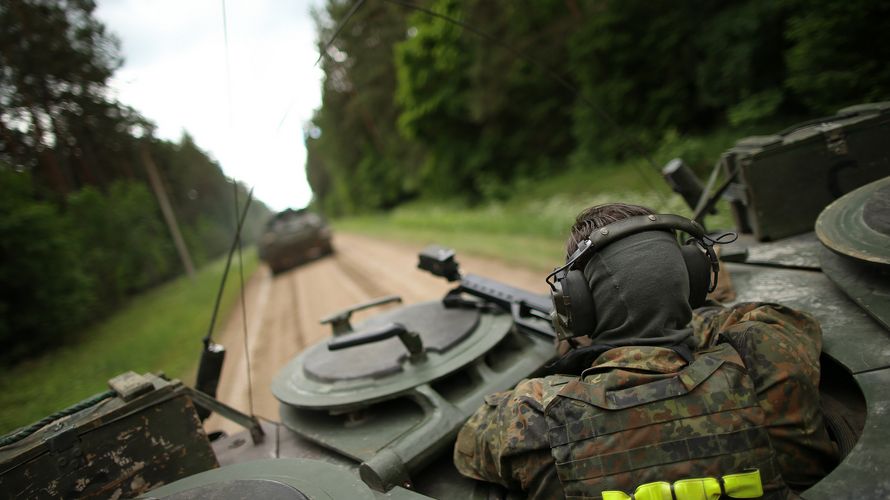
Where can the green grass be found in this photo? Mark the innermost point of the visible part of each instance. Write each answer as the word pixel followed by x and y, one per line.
pixel 530 228
pixel 160 330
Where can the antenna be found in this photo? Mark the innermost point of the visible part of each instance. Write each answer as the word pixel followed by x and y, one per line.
pixel 243 306
pixel 213 355
pixel 352 11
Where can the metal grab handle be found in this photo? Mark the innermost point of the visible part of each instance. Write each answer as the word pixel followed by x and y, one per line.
pixel 410 339
pixel 340 320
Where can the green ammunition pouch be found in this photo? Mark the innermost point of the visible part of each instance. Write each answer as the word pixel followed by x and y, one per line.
pixel 703 421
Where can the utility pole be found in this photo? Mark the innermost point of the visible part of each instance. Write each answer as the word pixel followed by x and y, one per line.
pixel 154 178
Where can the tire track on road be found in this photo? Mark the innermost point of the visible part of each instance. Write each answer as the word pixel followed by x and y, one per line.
pixel 295 304
pixel 361 279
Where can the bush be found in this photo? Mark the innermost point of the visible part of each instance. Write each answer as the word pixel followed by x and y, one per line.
pixel 840 53
pixel 121 238
pixel 46 293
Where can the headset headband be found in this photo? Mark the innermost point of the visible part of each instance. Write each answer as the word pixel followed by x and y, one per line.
pixel 617 230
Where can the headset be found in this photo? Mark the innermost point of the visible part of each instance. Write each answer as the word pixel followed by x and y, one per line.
pixel 574 314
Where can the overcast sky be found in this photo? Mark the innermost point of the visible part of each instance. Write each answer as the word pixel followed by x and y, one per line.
pixel 175 74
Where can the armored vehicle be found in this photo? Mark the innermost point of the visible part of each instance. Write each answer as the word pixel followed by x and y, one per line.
pixel 293 237
pixel 373 410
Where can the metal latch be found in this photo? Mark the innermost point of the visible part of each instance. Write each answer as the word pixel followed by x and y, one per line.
pixel 65 446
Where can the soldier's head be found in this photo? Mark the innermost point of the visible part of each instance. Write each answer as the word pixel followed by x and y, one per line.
pixel 598 216
pixel 638 284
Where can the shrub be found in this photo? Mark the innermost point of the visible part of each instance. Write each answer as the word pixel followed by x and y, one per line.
pixel 46 293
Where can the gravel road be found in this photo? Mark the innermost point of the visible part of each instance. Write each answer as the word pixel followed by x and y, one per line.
pixel 283 310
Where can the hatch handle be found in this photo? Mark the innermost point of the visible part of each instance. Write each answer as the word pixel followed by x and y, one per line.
pixel 339 321
pixel 410 339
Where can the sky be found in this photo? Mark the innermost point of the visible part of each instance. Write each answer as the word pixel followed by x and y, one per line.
pixel 248 114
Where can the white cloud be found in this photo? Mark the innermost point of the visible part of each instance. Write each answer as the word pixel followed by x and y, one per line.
pixel 175 74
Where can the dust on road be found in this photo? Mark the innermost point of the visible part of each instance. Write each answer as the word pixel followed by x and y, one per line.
pixel 283 311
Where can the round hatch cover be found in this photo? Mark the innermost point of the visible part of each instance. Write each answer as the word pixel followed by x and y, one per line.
pixel 240 488
pixel 364 374
pixel 858 224
pixel 268 479
pixel 439 329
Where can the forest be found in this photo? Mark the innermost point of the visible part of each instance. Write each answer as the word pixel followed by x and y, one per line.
pixel 465 100
pixel 80 227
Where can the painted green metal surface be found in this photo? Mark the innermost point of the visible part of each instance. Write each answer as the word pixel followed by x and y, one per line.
pixel 439 479
pixel 359 435
pixel 850 335
pixel 866 284
pixel 316 480
pixel 864 473
pixel 396 438
pixel 844 226
pixel 429 326
pixel 799 251
pixel 292 386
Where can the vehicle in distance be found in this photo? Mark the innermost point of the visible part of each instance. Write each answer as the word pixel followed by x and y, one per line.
pixel 293 237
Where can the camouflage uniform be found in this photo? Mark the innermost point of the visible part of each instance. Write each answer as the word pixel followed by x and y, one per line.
pixel 507 440
pixel 780 347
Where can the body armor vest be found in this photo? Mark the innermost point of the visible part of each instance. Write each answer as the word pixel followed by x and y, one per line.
pixel 701 421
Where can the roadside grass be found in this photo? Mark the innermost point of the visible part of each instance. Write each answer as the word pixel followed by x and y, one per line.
pixel 159 330
pixel 530 227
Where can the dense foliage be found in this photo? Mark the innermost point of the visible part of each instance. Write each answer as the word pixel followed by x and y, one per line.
pixel 48 290
pixel 80 226
pixel 416 105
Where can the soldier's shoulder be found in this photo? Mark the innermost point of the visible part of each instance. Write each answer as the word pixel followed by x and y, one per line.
pixel 538 392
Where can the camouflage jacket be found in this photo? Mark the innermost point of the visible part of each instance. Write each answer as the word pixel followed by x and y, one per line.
pixel 506 440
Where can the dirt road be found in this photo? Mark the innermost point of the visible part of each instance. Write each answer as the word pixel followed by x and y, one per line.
pixel 283 311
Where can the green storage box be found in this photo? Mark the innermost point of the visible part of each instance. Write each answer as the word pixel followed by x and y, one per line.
pixel 145 436
pixel 775 195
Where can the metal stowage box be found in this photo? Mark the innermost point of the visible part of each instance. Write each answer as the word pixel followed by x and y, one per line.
pixel 145 435
pixel 775 194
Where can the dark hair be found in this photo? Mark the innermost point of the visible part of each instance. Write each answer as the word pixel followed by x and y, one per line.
pixel 598 216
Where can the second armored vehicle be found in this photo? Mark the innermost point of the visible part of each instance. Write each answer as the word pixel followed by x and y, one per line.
pixel 293 237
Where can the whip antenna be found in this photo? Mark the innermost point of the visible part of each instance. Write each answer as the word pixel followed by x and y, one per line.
pixel 243 307
pixel 342 25
pixel 213 354
pixel 208 338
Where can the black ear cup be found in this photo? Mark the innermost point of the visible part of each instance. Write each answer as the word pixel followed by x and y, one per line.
pixel 583 313
pixel 699 268
pixel 573 310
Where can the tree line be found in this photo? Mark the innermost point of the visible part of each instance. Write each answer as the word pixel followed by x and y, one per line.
pixel 80 227
pixel 414 105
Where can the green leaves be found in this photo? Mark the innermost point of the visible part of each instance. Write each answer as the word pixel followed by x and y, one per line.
pixel 47 290
pixel 839 53
pixel 466 117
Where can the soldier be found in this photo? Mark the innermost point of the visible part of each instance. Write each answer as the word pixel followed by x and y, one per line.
pixel 633 410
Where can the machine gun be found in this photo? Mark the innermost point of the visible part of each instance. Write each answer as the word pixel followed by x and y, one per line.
pixel 527 308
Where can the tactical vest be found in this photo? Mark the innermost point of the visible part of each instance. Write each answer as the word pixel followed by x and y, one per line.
pixel 703 421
